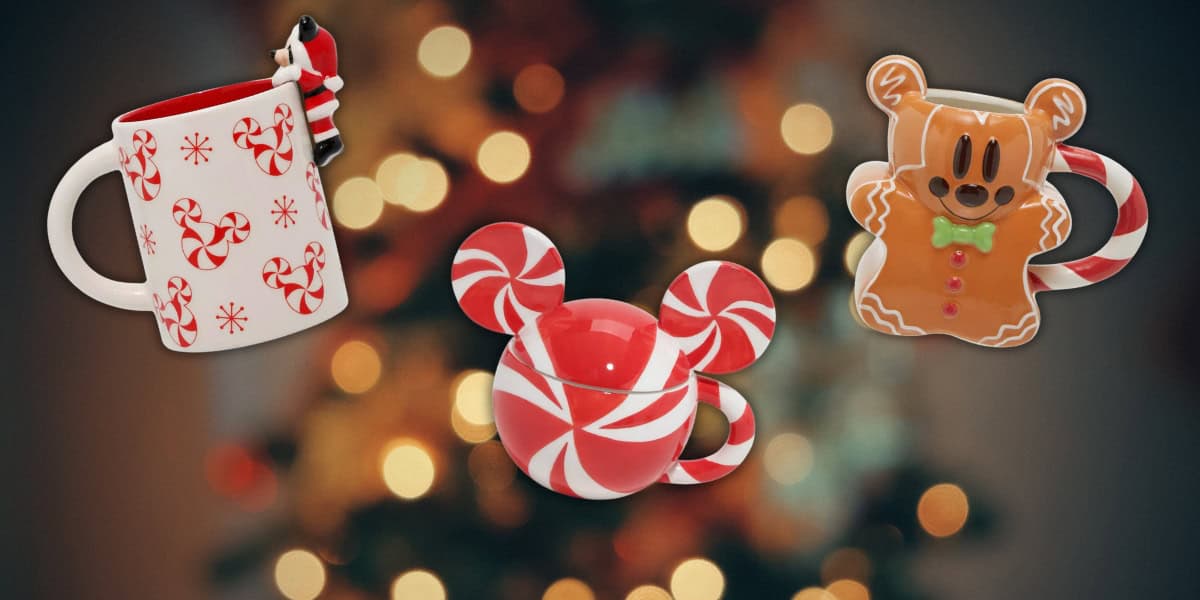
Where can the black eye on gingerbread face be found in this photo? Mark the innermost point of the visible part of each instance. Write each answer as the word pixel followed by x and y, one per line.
pixel 967 193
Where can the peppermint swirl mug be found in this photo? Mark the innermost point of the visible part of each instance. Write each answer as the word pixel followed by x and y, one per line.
pixel 230 216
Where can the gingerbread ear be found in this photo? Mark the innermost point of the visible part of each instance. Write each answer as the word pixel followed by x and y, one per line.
pixel 1061 102
pixel 891 78
pixel 506 274
pixel 721 314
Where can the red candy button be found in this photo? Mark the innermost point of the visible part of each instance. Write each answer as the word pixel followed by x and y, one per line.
pixel 950 310
pixel 958 259
pixel 954 284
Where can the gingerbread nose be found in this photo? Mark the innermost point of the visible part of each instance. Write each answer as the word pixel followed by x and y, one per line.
pixel 969 194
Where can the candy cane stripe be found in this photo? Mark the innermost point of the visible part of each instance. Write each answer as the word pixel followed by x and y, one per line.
pixel 1128 233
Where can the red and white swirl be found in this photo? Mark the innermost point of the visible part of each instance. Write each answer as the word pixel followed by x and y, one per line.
pixel 312 178
pixel 1126 238
pixel 138 165
pixel 586 442
pixel 302 286
pixel 721 314
pixel 506 274
pixel 271 146
pixel 206 245
pixel 736 448
pixel 177 318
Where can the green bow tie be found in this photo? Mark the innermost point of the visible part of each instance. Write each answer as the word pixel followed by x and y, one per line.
pixel 945 232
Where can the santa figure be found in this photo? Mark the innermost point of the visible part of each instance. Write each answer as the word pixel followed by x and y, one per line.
pixel 310 59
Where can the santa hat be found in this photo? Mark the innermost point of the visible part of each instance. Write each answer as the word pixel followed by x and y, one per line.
pixel 313 48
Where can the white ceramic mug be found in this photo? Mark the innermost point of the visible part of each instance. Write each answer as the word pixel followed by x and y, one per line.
pixel 232 224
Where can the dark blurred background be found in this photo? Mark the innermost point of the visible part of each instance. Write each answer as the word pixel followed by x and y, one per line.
pixel 358 460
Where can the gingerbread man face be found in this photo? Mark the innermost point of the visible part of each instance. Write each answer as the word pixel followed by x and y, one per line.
pixel 971 158
pixel 597 389
pixel 963 204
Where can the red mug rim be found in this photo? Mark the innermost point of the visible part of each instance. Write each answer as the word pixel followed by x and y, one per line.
pixel 197 101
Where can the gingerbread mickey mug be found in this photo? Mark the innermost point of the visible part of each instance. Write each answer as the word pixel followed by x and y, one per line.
pixel 230 215
pixel 963 204
pixel 596 398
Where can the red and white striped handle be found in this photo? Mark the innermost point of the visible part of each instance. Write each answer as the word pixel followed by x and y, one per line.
pixel 1132 216
pixel 728 457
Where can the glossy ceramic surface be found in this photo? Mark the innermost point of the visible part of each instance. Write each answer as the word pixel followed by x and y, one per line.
pixel 595 398
pixel 963 204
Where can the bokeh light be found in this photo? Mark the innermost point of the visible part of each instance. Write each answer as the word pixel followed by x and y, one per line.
pixel 568 589
pixel 697 579
pixel 538 88
pixel 846 563
pixel 855 249
pixel 813 593
pixel 357 203
pixel 388 173
pixel 408 469
pixel 444 51
pixel 299 575
pixel 789 264
pixel 503 157
pixel 356 367
pixel 473 397
pixel 788 458
pixel 806 128
pixel 418 584
pixel 648 592
pixel 469 432
pixel 943 510
pixel 490 467
pixel 715 223
pixel 848 589
pixel 804 218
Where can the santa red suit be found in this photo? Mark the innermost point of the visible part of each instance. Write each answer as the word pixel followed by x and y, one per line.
pixel 310 59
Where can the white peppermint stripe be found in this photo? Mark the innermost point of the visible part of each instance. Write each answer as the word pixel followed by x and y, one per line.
pixel 511 381
pixel 1123 247
pixel 542 465
pixel 732 455
pixel 665 425
pixel 1059 277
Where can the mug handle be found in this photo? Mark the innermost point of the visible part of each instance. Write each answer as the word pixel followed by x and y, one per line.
pixel 129 296
pixel 1127 236
pixel 737 446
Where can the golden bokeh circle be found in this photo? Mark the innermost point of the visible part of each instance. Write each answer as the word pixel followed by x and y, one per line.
pixel 943 510
pixel 715 223
pixel 788 458
pixel 806 128
pixel 697 579
pixel 418 584
pixel 444 51
pixel 357 203
pixel 356 367
pixel 504 156
pixel 408 469
pixel 569 589
pixel 299 575
pixel 789 264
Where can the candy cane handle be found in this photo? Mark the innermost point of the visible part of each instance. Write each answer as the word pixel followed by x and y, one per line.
pixel 130 296
pixel 1132 217
pixel 741 437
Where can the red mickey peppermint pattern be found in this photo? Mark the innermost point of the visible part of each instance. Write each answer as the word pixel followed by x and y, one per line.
pixel 596 398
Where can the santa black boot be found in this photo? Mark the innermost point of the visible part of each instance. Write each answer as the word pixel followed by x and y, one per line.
pixel 327 149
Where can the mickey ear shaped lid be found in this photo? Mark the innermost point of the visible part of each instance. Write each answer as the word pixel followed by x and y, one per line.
pixel 721 314
pixel 506 274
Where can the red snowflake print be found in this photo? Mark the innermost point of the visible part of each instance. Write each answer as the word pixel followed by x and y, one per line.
pixel 232 319
pixel 285 215
pixel 195 148
pixel 147 239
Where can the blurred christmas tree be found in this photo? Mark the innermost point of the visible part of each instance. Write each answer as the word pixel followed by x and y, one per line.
pixel 643 137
